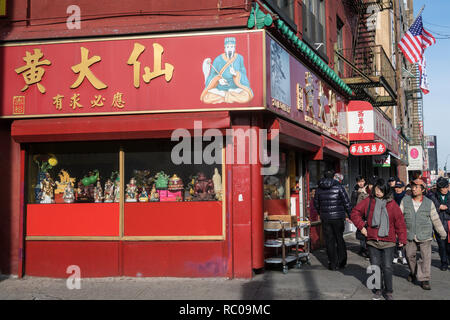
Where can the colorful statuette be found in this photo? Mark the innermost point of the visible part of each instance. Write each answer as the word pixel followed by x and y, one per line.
pixel 109 191
pixel 98 192
pixel 47 187
pixel 69 193
pixel 131 192
pixel 162 181
pixel 143 197
pixel 154 195
pixel 204 188
pixel 175 183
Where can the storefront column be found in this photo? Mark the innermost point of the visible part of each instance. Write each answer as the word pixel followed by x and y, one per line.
pixel 257 200
pixel 11 189
pixel 241 202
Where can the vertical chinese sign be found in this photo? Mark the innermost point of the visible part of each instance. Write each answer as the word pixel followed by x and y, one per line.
pixel 133 75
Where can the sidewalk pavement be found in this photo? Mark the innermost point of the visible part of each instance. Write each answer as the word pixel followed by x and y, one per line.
pixel 310 282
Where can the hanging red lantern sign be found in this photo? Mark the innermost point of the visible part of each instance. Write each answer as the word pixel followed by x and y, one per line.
pixel 367 149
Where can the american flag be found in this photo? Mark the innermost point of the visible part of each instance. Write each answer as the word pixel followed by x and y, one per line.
pixel 415 41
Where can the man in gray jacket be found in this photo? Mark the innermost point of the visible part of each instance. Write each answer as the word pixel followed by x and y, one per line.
pixel 420 217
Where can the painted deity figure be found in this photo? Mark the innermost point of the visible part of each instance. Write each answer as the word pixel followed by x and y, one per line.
pixel 47 187
pixel 98 192
pixel 109 191
pixel 69 193
pixel 226 78
pixel 204 188
pixel 154 195
pixel 131 191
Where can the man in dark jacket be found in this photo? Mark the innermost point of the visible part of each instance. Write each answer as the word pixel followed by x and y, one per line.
pixel 333 205
pixel 442 203
pixel 359 187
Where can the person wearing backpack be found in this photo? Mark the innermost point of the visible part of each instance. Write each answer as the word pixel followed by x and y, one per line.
pixel 384 223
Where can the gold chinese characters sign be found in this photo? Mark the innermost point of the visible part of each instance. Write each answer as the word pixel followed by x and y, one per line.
pixel 140 74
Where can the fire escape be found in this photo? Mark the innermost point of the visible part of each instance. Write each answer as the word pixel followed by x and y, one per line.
pixel 415 98
pixel 369 71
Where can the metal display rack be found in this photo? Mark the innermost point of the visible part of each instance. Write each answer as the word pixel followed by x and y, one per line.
pixel 288 244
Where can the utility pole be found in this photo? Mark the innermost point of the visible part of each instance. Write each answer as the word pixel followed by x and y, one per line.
pixel 398 64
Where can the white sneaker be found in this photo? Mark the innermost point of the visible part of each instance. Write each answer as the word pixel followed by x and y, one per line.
pixel 395 260
pixel 404 261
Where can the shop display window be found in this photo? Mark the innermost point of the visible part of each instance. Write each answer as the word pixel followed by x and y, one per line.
pixel 151 175
pixel 72 173
pixel 275 185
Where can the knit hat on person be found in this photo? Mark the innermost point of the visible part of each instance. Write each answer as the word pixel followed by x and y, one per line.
pixel 442 183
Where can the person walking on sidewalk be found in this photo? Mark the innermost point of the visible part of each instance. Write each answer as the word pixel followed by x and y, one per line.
pixel 442 203
pixel 360 193
pixel 384 223
pixel 399 193
pixel 333 205
pixel 420 217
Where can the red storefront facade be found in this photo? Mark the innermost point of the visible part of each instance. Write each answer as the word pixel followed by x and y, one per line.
pixel 120 98
pixel 211 238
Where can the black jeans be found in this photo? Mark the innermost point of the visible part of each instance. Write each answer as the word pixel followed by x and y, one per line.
pixel 444 250
pixel 383 259
pixel 333 231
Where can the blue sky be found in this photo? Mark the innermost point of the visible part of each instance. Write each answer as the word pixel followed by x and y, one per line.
pixel 436 103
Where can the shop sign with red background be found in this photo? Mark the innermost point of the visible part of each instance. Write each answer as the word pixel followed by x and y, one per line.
pixel 297 93
pixel 367 149
pixel 127 75
pixel 367 123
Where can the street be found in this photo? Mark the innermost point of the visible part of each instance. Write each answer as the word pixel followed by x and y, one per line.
pixel 311 282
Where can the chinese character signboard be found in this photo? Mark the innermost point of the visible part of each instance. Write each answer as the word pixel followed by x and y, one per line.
pixel 367 149
pixel 296 93
pixel 137 75
pixel 367 123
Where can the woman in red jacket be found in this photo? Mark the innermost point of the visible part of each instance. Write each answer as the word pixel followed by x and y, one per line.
pixel 385 222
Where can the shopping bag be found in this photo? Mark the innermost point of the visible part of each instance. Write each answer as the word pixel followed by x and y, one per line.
pixel 448 237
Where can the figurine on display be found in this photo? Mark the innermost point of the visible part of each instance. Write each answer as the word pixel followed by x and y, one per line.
pixel 86 188
pixel 162 181
pixel 47 187
pixel 175 183
pixel 189 190
pixel 44 163
pixel 117 190
pixel 69 193
pixel 109 191
pixel 217 180
pixel 98 192
pixel 92 177
pixel 154 196
pixel 143 197
pixel 131 191
pixel 64 180
pixel 144 179
pixel 204 188
pixel 273 188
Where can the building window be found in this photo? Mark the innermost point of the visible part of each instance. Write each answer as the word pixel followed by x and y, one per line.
pixel 314 32
pixel 285 9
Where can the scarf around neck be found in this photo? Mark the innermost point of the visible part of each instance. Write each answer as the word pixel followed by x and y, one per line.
pixel 380 218
pixel 442 198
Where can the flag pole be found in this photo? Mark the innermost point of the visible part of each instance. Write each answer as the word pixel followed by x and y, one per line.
pixel 420 12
